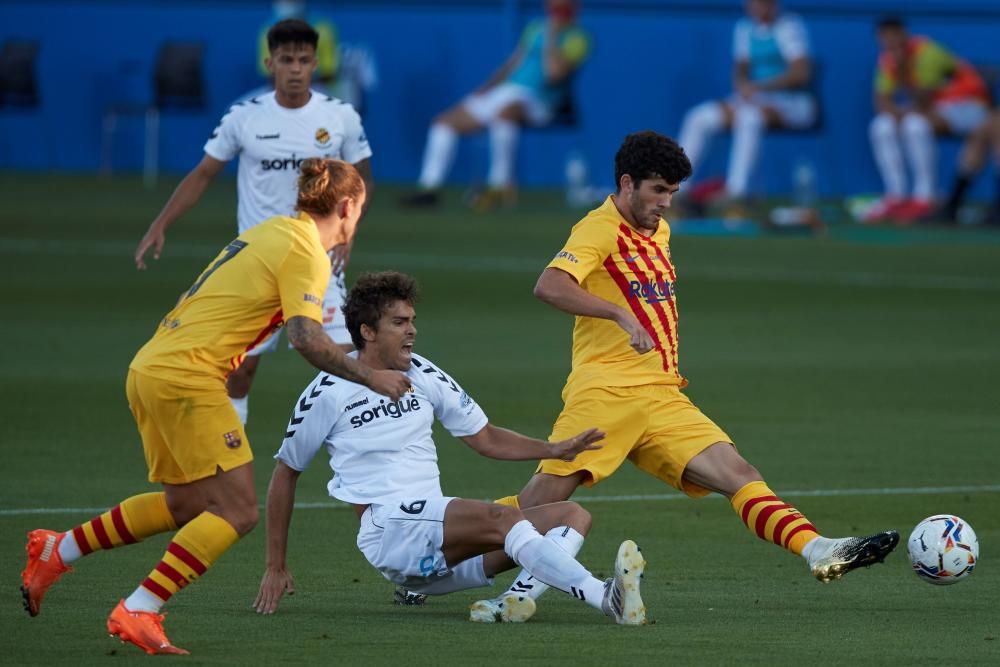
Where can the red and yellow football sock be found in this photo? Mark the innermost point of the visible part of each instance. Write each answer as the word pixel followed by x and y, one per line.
pixel 771 519
pixel 132 520
pixel 189 555
pixel 510 501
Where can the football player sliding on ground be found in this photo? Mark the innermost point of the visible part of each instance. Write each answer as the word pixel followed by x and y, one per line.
pixel 386 468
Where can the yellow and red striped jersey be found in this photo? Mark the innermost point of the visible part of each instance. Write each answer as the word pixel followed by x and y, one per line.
pixel 614 262
pixel 270 273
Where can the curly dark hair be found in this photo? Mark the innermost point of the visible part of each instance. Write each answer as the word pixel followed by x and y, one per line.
pixel 651 155
pixel 371 296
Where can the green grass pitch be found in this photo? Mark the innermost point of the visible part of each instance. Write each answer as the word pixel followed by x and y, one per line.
pixel 852 362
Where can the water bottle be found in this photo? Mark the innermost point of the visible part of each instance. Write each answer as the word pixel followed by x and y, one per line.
pixel 804 183
pixel 803 210
pixel 577 190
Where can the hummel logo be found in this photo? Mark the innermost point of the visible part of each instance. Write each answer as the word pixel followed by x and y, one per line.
pixel 262 137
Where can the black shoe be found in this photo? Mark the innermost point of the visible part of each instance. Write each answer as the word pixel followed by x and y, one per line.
pixel 405 598
pixel 946 215
pixel 421 199
pixel 850 553
pixel 992 218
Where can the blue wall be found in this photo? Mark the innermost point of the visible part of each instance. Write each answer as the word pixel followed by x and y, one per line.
pixel 652 60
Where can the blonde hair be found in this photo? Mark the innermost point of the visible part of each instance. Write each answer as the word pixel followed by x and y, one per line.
pixel 323 182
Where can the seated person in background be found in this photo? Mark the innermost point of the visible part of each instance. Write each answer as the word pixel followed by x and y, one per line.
pixel 526 90
pixel 982 141
pixel 921 89
pixel 771 73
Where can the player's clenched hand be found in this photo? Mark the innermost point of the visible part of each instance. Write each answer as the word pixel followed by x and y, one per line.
pixel 566 450
pixel 273 585
pixel 638 337
pixel 154 238
pixel 390 383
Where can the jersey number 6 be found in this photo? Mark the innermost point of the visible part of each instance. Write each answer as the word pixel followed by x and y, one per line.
pixel 231 251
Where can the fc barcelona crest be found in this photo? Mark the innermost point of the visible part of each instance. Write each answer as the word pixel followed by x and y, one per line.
pixel 233 439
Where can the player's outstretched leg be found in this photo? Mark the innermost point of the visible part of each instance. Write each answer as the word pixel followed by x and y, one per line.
pixel 142 628
pixel 830 559
pixel 773 520
pixel 622 600
pixel 50 553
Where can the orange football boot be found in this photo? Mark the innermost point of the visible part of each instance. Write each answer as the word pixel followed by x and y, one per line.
pixel 44 567
pixel 142 628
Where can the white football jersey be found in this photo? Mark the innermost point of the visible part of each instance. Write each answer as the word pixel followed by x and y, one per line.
pixel 379 450
pixel 272 141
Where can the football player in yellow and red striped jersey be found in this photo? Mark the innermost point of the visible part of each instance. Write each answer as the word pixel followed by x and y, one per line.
pixel 615 274
pixel 192 438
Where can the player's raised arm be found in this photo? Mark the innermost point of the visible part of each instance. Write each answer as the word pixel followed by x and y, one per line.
pixel 558 288
pixel 186 195
pixel 309 339
pixel 500 443
pixel 277 580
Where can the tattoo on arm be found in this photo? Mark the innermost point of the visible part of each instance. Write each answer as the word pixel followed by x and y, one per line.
pixel 309 339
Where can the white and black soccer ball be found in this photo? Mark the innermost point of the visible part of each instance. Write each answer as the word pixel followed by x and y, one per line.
pixel 943 549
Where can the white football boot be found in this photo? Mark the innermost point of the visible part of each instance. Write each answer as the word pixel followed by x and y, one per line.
pixel 622 601
pixel 508 608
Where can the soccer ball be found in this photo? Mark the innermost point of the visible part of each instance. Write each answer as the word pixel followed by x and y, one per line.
pixel 943 549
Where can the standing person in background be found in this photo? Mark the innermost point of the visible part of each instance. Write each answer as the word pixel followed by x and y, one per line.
pixel 272 135
pixel 527 90
pixel 192 438
pixel 772 70
pixel 921 89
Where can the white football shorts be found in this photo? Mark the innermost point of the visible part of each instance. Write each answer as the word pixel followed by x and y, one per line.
pixel 485 107
pixel 797 110
pixel 333 317
pixel 963 115
pixel 403 541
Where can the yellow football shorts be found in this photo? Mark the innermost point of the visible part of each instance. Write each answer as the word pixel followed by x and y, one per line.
pixel 656 427
pixel 187 434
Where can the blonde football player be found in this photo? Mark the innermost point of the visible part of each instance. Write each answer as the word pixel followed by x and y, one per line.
pixel 272 135
pixel 194 443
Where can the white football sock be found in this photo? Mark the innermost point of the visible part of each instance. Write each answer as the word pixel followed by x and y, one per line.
pixel 884 137
pixel 438 155
pixel 566 539
pixel 551 565
pixel 143 600
pixel 503 150
pixel 918 139
pixel 816 546
pixel 69 550
pixel 748 126
pixel 242 407
pixel 700 124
